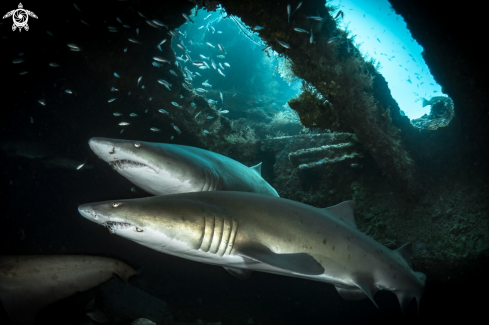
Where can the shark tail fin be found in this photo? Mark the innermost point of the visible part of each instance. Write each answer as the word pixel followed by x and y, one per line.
pixel 405 297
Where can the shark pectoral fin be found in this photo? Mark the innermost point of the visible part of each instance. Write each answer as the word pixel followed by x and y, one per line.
pixel 344 210
pixel 301 263
pixel 351 294
pixel 257 168
pixel 405 252
pixel 238 273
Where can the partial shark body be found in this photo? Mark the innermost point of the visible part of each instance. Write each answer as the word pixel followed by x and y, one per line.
pixel 246 232
pixel 161 168
pixel 29 283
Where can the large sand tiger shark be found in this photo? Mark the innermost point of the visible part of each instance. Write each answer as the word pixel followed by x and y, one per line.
pixel 162 168
pixel 246 232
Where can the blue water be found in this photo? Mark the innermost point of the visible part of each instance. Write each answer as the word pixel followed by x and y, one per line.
pixel 382 35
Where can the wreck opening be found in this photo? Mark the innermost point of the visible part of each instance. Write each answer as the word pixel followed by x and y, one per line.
pixel 382 34
pixel 238 75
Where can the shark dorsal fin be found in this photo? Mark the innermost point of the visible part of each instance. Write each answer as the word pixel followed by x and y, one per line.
pixel 405 252
pixel 257 168
pixel 344 210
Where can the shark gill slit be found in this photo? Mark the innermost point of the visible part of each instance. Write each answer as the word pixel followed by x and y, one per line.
pixel 217 238
pixel 208 232
pixel 232 236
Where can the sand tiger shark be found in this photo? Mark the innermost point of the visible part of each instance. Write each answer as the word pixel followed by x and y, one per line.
pixel 245 232
pixel 30 283
pixel 162 168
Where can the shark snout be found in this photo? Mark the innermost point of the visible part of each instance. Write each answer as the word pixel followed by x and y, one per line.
pixel 86 211
pixel 102 147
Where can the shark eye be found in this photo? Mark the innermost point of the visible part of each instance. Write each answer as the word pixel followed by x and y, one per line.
pixel 139 229
pixel 115 204
pixel 137 145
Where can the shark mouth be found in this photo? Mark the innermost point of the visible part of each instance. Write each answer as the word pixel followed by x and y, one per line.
pixel 123 164
pixel 113 226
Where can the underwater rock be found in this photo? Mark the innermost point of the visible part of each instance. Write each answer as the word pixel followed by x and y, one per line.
pixel 441 113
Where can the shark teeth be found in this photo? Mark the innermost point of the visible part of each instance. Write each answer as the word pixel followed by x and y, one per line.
pixel 113 226
pixel 119 164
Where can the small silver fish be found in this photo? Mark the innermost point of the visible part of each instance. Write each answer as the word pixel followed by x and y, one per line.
pixel 288 13
pixel 119 20
pixel 124 123
pixel 298 6
pixel 121 131
pixel 114 89
pixel 175 104
pixel 173 73
pixel 209 44
pixel 140 14
pixel 210 117
pixel 221 48
pixel 197 114
pixel 73 46
pixel 207 16
pixel 159 23
pixel 163 42
pixel 206 132
pixel 133 189
pixel 176 128
pixel 220 65
pixel 133 40
pixel 201 90
pixel 267 48
pixel 227 65
pixel 187 17
pixel 117 114
pixel 125 49
pixel 287 46
pixel 54 64
pixel 149 22
pixel 315 18
pixel 222 99
pixel 80 166
pixel 311 39
pixel 76 7
pixel 42 102
pixel 203 57
pixel 213 64
pixel 224 111
pixel 219 32
pixel 84 22
pixel 332 39
pixel 111 100
pixel 115 74
pixel 186 86
pixel 133 115
pixel 137 31
pixel 155 129
pixel 257 28
pixel 219 70
pixel 75 50
pixel 68 91
pixel 300 30
pixel 162 111
pixel 126 26
pixel 160 59
pixel 16 61
pixel 23 73
pixel 201 27
pixel 221 56
pixel 180 46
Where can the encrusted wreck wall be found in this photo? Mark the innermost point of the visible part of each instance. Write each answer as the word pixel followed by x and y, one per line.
pixel 339 74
